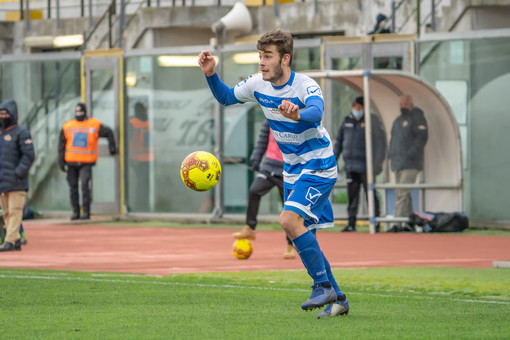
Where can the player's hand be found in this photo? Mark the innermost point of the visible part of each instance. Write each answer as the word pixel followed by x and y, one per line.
pixel 289 110
pixel 207 63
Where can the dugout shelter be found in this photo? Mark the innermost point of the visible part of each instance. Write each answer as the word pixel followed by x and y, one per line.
pixel 439 187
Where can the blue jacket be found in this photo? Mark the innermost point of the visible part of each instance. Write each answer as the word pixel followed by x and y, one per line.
pixel 16 152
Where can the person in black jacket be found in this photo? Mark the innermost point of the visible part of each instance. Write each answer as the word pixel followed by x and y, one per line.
pixel 409 134
pixel 350 141
pixel 270 175
pixel 379 25
pixel 16 158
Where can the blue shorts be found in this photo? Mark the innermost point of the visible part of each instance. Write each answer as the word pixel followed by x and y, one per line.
pixel 309 198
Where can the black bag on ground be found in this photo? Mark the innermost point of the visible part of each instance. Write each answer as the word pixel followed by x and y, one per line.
pixel 440 222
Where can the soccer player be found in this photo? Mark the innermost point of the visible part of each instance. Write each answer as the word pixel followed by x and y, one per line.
pixel 293 106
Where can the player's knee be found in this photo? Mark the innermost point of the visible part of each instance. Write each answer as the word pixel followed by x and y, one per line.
pixel 288 222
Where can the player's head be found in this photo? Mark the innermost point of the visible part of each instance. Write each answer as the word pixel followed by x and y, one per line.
pixel 275 52
pixel 80 112
pixel 282 41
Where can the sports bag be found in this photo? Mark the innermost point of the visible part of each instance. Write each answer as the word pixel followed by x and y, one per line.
pixel 440 222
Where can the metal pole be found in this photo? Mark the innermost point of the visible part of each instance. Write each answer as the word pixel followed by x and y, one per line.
pixel 91 19
pixel 84 46
pixel 49 9
pixel 276 9
pixel 21 12
pixel 58 13
pixel 433 16
pixel 418 17
pixel 219 115
pixel 368 148
pixel 110 25
pixel 315 6
pixel 393 16
pixel 82 8
pixel 27 18
pixel 121 22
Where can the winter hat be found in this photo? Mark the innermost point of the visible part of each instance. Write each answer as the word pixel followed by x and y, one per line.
pixel 359 100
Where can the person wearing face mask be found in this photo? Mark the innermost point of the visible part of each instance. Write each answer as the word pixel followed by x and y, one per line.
pixel 350 142
pixel 16 158
pixel 77 153
pixel 409 134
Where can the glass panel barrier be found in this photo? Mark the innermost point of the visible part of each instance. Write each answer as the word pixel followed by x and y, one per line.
pixel 474 77
pixel 46 93
pixel 180 114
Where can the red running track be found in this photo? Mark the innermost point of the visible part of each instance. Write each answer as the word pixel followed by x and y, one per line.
pixel 164 251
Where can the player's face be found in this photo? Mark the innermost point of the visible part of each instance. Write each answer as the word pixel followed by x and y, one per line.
pixel 271 65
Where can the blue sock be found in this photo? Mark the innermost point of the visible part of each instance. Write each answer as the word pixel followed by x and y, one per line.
pixel 331 277
pixel 311 256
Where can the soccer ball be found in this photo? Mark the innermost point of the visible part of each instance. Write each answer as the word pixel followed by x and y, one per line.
pixel 200 171
pixel 242 249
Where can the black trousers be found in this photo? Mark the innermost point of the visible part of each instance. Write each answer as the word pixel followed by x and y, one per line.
pixel 139 186
pixel 354 182
pixel 262 184
pixel 82 173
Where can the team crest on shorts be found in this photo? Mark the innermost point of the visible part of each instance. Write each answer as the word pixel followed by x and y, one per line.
pixel 312 195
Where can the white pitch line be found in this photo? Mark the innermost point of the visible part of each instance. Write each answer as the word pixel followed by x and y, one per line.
pixel 210 285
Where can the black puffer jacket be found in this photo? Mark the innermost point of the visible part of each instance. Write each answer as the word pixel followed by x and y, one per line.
pixel 409 134
pixel 16 152
pixel 350 140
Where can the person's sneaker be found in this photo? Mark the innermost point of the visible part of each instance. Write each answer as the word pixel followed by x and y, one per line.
pixel 246 233
pixel 349 228
pixel 290 252
pixel 8 246
pixel 23 238
pixel 334 309
pixel 320 296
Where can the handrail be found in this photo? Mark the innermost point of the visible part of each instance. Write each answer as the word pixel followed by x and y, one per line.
pixel 86 37
pixel 432 186
pixel 411 14
pixel 130 18
pixel 32 113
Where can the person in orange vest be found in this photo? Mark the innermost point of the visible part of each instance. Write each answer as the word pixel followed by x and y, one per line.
pixel 141 153
pixel 77 153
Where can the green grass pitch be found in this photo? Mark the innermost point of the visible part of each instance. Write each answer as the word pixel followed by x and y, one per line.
pixel 386 303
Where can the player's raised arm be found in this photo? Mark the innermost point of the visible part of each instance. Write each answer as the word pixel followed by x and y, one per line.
pixel 207 63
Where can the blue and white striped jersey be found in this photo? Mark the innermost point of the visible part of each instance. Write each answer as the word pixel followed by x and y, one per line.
pixel 306 146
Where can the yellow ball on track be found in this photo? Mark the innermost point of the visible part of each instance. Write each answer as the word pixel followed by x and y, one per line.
pixel 242 249
pixel 200 171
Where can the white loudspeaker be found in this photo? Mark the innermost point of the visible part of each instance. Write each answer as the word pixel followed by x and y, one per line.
pixel 238 19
